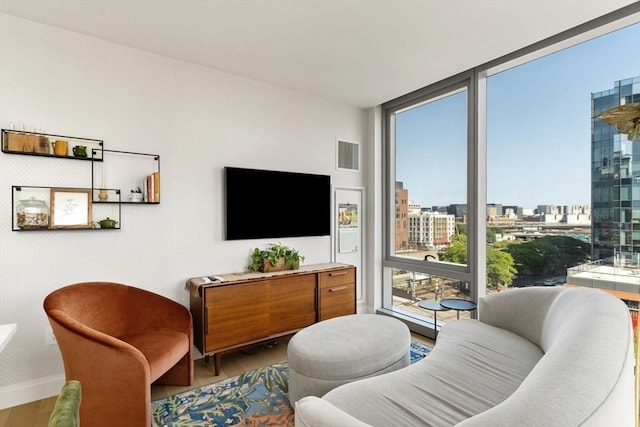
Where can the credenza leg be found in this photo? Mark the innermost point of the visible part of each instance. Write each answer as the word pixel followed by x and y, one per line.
pixel 217 359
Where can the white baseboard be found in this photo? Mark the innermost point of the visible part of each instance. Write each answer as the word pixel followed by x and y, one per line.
pixel 29 391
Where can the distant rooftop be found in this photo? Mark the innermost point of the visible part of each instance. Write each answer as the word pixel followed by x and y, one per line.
pixel 604 274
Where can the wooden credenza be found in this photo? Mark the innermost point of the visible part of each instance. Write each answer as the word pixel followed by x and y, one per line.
pixel 248 308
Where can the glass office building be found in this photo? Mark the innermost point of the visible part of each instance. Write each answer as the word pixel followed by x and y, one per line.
pixel 615 181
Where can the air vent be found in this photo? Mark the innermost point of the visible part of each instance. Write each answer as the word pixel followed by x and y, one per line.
pixel 348 155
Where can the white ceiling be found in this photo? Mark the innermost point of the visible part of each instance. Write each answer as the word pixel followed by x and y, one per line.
pixel 358 52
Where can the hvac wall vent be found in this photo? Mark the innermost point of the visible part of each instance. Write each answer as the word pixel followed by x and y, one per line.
pixel 348 155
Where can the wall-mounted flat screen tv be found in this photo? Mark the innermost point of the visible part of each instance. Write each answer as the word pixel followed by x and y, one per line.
pixel 276 204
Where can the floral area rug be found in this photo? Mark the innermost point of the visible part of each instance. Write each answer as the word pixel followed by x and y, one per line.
pixel 255 398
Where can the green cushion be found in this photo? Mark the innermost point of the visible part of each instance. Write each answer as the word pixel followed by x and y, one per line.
pixel 66 412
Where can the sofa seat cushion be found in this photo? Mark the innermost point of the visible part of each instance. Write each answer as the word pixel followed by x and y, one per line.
pixel 162 349
pixel 470 358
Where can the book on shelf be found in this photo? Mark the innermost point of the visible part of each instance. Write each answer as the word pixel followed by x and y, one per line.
pixel 152 188
pixel 156 187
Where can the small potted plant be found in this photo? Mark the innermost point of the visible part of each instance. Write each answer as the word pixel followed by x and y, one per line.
pixel 136 195
pixel 275 258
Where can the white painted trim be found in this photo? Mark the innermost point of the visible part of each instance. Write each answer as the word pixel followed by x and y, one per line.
pixel 30 391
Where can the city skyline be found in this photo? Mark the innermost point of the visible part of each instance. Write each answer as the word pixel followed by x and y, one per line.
pixel 502 204
pixel 538 129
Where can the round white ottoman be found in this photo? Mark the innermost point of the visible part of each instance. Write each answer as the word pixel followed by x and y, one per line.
pixel 344 349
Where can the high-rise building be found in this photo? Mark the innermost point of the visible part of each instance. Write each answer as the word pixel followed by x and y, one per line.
pixel 615 179
pixel 402 214
pixel 428 229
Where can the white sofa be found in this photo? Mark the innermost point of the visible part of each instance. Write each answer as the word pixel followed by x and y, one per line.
pixel 542 356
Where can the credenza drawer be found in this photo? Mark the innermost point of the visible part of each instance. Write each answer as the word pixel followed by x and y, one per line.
pixel 336 293
pixel 336 277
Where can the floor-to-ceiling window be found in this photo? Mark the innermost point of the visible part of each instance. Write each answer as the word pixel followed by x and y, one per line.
pixel 430 135
pixel 490 174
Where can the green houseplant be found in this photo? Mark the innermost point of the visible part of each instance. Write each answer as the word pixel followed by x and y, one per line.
pixel 136 195
pixel 275 257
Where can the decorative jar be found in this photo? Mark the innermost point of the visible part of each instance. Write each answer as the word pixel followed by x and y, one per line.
pixel 32 214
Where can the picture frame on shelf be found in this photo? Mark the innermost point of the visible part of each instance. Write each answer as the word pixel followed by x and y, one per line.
pixel 70 208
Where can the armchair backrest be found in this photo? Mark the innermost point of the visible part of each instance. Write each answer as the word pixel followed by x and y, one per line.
pixel 102 306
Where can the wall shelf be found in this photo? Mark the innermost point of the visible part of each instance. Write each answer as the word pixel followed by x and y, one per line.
pixel 60 208
pixel 38 208
pixel 41 144
pixel 128 171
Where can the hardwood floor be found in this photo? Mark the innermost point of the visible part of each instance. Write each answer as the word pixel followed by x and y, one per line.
pixel 36 414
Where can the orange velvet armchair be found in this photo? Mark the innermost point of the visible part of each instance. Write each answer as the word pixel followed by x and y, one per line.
pixel 117 340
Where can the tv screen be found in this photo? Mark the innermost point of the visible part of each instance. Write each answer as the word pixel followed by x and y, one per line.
pixel 275 204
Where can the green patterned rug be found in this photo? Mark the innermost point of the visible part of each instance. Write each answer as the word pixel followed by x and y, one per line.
pixel 255 398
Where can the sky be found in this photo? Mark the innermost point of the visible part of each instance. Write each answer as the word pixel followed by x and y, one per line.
pixel 538 129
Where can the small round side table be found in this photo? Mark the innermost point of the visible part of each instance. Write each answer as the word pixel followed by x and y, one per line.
pixel 459 305
pixel 434 306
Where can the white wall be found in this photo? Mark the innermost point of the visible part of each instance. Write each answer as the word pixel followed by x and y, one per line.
pixel 198 120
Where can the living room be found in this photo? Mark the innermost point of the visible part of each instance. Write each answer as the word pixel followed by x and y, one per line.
pixel 198 119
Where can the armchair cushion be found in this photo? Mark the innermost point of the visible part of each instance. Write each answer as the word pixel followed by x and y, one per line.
pixel 161 349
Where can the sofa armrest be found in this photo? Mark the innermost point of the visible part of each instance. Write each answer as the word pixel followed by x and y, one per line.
pixel 312 411
pixel 521 310
pixel 66 411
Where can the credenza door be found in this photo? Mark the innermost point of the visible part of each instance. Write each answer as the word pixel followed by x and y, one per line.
pixel 236 314
pixel 293 302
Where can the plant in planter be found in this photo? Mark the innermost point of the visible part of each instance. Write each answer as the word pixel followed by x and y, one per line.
pixel 276 257
pixel 136 195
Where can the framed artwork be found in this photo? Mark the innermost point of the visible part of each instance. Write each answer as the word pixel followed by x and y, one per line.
pixel 348 238
pixel 70 208
pixel 348 232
